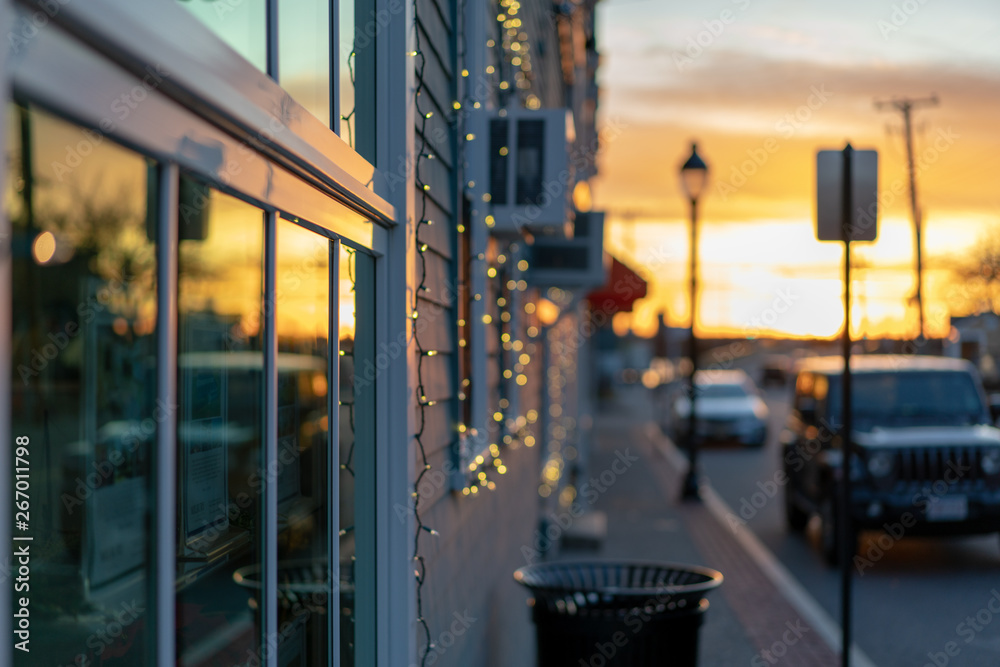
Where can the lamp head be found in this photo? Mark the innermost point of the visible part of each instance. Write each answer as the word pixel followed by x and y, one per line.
pixel 694 175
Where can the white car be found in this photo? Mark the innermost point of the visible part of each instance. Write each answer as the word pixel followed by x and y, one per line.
pixel 728 406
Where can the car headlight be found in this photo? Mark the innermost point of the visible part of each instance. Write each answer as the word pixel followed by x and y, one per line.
pixel 880 464
pixel 990 462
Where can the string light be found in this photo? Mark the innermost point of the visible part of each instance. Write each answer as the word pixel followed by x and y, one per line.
pixel 512 69
pixel 423 153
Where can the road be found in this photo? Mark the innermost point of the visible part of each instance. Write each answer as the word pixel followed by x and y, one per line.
pixel 920 599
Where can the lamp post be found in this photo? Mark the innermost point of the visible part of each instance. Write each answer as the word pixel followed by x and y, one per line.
pixel 694 176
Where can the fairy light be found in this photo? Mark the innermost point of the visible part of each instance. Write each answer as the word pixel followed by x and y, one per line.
pixel 423 153
pixel 510 70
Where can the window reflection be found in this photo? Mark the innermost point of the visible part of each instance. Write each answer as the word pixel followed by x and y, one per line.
pixel 358 376
pixel 304 54
pixel 303 469
pixel 83 387
pixel 348 460
pixel 358 33
pixel 242 25
pixel 221 471
pixel 346 61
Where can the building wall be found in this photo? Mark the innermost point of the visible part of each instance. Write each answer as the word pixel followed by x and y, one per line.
pixel 470 562
pixel 475 613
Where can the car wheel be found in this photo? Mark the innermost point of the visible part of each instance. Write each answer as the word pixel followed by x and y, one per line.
pixel 830 532
pixel 795 516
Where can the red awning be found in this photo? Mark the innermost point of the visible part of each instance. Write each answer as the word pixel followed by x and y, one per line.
pixel 623 288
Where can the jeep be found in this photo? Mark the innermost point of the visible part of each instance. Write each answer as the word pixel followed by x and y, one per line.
pixel 925 453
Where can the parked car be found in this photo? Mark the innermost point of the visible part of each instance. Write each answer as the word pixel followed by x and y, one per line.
pixel 728 407
pixel 926 453
pixel 775 369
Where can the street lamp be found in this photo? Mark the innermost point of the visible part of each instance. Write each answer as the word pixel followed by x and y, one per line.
pixel 694 176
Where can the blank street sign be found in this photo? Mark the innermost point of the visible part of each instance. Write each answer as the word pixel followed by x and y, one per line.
pixel 830 196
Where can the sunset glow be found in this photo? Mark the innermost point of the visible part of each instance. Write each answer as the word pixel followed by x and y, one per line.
pixel 762 86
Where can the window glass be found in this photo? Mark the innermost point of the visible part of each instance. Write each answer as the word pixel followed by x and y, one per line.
pixel 723 391
pixel 358 32
pixel 917 397
pixel 348 459
pixel 347 62
pixel 358 375
pixel 304 54
pixel 302 318
pixel 84 410
pixel 242 25
pixel 221 471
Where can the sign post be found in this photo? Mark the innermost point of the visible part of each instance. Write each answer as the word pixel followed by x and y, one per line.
pixel 846 210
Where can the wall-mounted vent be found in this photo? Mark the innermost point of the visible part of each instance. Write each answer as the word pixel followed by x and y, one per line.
pixel 570 263
pixel 527 167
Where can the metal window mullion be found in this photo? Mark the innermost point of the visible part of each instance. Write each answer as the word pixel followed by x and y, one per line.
pixel 269 587
pixel 272 39
pixel 333 472
pixel 164 534
pixel 335 66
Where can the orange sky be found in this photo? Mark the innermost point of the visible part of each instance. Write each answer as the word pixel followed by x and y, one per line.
pixel 777 81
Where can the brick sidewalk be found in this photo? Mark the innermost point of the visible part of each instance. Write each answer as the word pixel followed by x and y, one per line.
pixel 750 620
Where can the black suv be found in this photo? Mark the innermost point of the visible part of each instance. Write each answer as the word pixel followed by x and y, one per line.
pixel 926 455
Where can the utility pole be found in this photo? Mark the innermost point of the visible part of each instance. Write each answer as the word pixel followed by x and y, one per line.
pixel 905 106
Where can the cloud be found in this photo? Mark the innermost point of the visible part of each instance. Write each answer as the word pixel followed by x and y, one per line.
pixel 740 101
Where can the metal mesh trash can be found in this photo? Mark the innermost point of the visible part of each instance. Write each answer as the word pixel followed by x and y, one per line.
pixel 623 614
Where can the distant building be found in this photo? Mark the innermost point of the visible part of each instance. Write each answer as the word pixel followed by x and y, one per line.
pixel 977 338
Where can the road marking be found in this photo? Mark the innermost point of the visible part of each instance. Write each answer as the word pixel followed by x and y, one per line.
pixel 779 575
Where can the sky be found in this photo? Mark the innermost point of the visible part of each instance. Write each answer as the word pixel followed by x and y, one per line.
pixel 761 85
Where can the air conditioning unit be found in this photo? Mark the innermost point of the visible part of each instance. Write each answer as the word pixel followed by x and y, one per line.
pixel 572 263
pixel 525 168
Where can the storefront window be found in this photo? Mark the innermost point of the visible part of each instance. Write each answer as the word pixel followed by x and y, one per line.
pixel 358 375
pixel 360 29
pixel 220 394
pixel 348 461
pixel 84 410
pixel 306 61
pixel 87 418
pixel 303 468
pixel 242 25
pixel 304 54
pixel 347 62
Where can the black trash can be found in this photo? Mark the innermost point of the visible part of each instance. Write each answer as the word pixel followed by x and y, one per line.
pixel 622 614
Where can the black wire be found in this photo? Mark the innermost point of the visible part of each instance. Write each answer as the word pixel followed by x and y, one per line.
pixel 350 404
pixel 348 118
pixel 420 564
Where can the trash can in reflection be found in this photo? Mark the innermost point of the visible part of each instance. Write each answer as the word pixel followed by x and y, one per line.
pixel 623 614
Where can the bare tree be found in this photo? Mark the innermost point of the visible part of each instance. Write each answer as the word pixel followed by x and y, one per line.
pixel 978 274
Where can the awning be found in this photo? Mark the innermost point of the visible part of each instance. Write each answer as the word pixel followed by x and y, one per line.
pixel 623 288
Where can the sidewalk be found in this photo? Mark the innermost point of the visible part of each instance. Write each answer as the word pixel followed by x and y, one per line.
pixel 756 617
